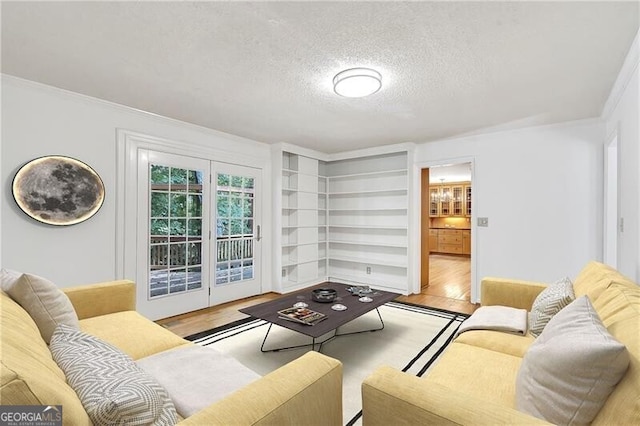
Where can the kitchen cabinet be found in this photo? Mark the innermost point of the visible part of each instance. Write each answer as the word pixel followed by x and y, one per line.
pixel 451 199
pixel 450 241
pixel 466 241
pixel 457 200
pixel 433 240
pixel 434 201
pixel 467 200
pixel 445 201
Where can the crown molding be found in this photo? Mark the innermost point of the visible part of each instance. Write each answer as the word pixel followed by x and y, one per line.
pixel 628 70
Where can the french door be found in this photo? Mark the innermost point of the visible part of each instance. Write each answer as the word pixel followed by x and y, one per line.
pixel 198 233
pixel 237 233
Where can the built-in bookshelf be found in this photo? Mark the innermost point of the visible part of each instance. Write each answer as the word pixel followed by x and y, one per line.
pixel 345 220
pixel 303 221
pixel 368 220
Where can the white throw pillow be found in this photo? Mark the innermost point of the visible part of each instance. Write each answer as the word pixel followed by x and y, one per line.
pixel 111 387
pixel 548 303
pixel 568 373
pixel 47 305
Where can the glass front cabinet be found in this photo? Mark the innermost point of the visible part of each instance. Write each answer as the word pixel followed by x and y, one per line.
pixel 451 199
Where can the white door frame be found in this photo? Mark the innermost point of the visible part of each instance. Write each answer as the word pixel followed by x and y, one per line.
pixel 611 201
pixel 475 284
pixel 128 147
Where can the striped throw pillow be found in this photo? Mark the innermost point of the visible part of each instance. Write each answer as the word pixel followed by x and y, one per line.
pixel 548 303
pixel 111 387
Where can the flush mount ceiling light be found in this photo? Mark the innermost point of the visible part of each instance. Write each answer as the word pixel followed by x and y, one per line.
pixel 357 82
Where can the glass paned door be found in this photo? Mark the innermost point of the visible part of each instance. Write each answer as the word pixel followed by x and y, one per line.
pixel 197 233
pixel 173 234
pixel 234 231
pixel 237 234
pixel 175 230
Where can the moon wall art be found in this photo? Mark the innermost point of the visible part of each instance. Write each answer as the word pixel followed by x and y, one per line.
pixel 58 190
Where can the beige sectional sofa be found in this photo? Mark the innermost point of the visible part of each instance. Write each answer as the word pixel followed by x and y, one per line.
pixel 474 381
pixel 306 391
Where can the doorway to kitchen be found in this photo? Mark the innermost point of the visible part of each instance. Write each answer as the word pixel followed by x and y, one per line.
pixel 446 219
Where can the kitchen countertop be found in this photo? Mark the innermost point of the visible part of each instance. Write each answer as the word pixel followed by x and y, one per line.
pixel 451 227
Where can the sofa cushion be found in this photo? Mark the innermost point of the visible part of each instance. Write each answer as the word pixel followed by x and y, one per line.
pixel 595 278
pixel 548 303
pixel 192 389
pixel 132 333
pixel 43 300
pixel 112 388
pixel 480 372
pixel 570 370
pixel 507 343
pixel 28 373
pixel 619 308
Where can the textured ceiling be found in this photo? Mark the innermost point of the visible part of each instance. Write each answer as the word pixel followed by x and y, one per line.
pixel 263 70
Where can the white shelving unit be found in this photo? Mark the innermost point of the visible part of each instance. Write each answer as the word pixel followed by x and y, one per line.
pixel 368 203
pixel 345 220
pixel 303 222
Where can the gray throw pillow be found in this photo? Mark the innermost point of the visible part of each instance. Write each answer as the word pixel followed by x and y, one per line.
pixel 111 387
pixel 548 303
pixel 568 372
pixel 47 305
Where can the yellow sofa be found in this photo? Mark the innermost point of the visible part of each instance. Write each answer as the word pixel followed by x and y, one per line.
pixel 306 391
pixel 474 380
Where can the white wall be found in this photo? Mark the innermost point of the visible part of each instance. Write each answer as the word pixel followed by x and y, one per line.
pixel 622 116
pixel 39 120
pixel 541 189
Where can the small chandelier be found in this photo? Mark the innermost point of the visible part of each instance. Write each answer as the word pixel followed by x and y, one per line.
pixel 439 196
pixel 357 82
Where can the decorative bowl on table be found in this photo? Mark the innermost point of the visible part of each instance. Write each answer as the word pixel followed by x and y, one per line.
pixel 324 295
pixel 360 290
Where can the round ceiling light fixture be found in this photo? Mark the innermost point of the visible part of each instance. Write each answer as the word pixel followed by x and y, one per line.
pixel 357 82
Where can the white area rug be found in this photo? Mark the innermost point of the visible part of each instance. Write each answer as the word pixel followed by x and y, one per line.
pixel 411 340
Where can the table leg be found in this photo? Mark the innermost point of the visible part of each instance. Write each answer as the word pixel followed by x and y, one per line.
pixel 262 349
pixel 337 334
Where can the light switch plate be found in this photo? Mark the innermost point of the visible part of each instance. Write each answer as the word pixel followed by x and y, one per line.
pixel 483 221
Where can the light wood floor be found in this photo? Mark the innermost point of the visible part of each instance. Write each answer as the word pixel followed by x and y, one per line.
pixel 449 276
pixel 449 287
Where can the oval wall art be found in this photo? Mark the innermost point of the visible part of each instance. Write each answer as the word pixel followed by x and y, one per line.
pixel 58 190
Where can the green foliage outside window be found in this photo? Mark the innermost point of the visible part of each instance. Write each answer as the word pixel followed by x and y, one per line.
pixel 159 204
pixel 171 208
pixel 176 213
pixel 223 180
pixel 159 174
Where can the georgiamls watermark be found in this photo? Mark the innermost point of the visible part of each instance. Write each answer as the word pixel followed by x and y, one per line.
pixel 30 415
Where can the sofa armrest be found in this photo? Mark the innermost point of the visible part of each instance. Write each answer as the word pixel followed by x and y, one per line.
pixel 306 391
pixel 92 300
pixel 507 292
pixel 391 397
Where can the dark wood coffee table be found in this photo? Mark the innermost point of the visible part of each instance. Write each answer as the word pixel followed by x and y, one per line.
pixel 268 311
